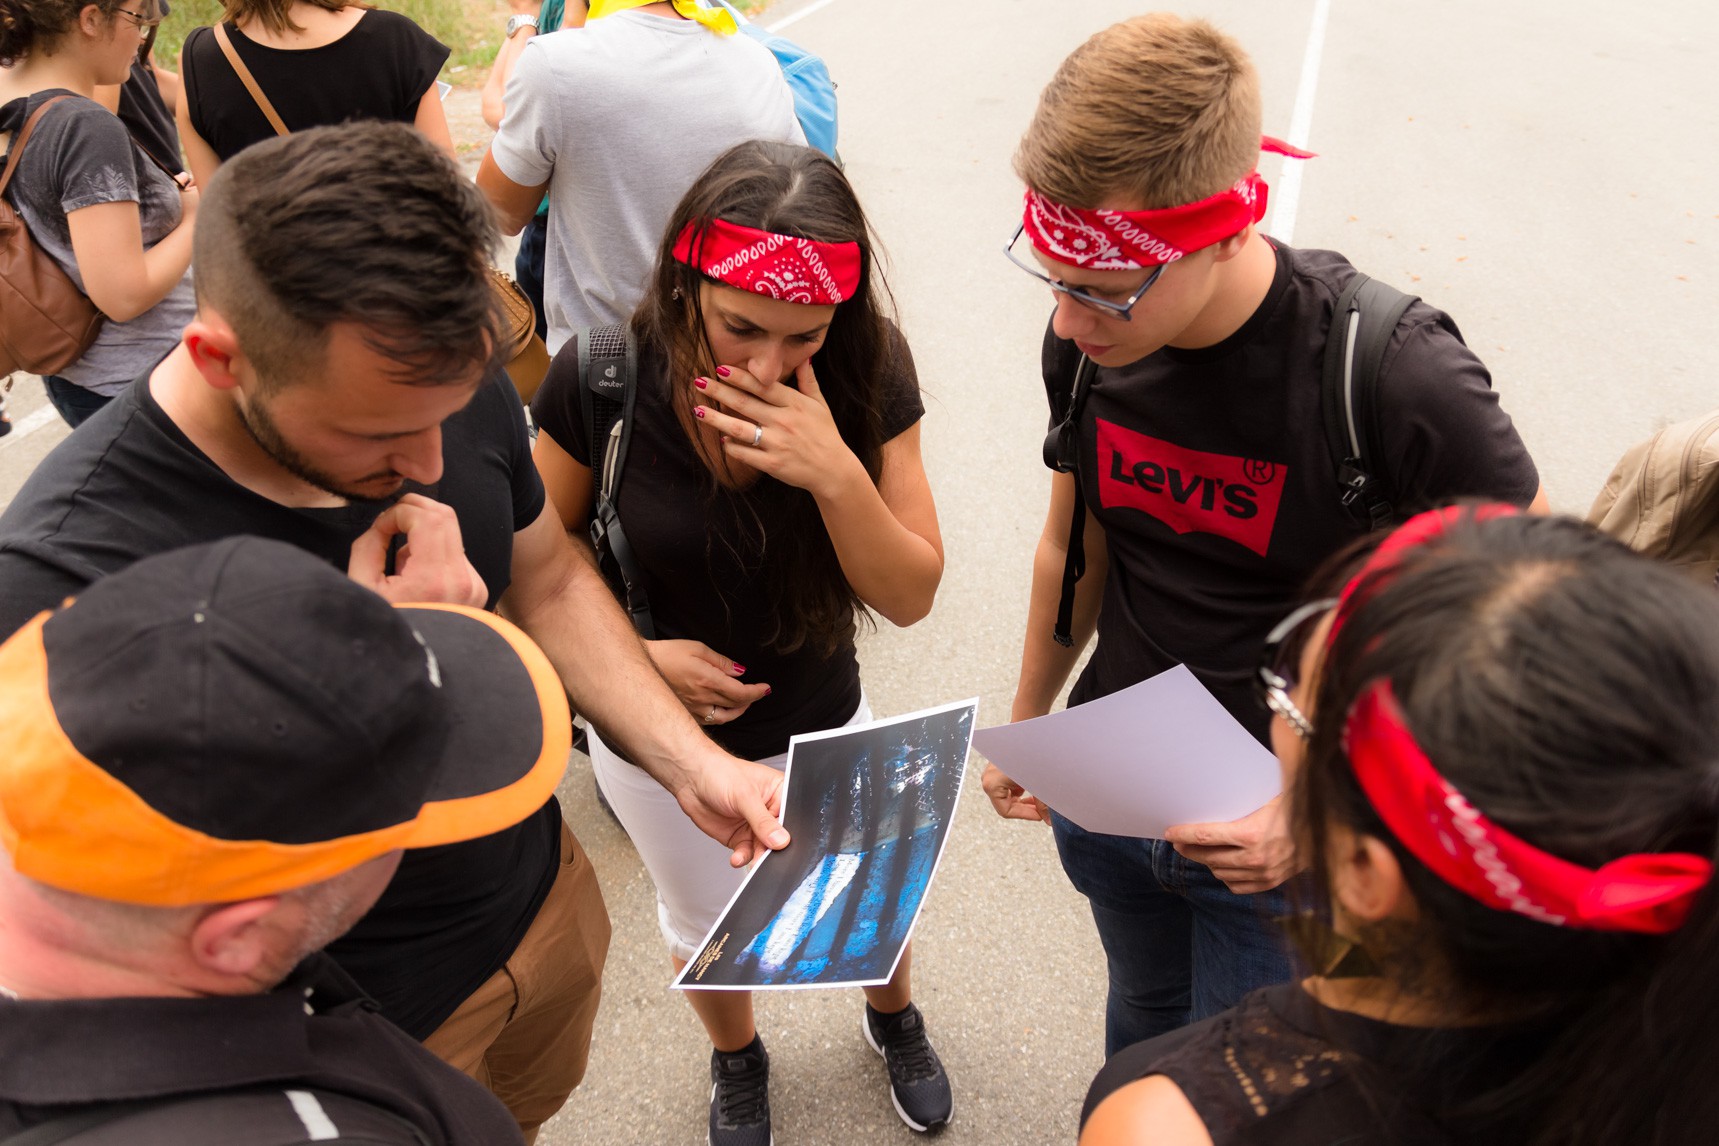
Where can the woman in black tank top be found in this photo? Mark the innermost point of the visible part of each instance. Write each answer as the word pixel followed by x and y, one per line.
pixel 1501 743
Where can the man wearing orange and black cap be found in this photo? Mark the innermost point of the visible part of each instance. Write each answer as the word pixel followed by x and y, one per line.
pixel 215 760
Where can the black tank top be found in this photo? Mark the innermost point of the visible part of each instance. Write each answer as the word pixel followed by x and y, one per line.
pixel 1281 1068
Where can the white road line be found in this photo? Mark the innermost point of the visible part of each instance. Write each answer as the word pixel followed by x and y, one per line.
pixel 29 424
pixel 799 15
pixel 1286 196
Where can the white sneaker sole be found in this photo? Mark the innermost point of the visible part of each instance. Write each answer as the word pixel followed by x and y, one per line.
pixel 871 1041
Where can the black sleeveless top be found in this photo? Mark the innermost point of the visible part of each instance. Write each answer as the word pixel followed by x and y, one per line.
pixel 1281 1068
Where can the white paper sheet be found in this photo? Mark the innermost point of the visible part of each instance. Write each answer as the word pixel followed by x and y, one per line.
pixel 1136 762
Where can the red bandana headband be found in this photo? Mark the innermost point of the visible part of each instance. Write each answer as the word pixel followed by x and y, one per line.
pixel 762 262
pixel 1108 240
pixel 1650 893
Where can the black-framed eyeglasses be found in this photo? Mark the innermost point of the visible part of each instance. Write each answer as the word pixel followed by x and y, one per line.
pixel 144 23
pixel 1280 663
pixel 1078 294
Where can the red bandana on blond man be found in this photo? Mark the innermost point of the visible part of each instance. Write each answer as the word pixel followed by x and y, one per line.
pixel 1104 239
pixel 762 262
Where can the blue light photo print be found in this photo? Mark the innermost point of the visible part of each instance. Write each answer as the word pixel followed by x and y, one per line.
pixel 869 809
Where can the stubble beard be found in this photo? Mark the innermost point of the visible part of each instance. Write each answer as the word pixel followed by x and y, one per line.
pixel 255 418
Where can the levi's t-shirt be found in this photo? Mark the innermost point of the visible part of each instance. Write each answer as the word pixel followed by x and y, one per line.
pixel 1210 474
pixel 130 484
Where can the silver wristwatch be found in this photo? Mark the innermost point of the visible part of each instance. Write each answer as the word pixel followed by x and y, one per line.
pixel 516 22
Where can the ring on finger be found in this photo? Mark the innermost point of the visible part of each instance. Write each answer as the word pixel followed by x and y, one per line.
pixel 757 436
pixel 710 717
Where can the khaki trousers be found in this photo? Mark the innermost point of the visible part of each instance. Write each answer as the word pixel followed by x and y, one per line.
pixel 526 1033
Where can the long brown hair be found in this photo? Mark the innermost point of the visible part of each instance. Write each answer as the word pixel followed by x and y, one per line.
pixel 788 190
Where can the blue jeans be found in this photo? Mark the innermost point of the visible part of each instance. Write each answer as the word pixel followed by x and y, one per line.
pixel 528 266
pixel 1181 946
pixel 74 403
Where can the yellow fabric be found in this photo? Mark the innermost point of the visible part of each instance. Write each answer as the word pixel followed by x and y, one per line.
pixel 716 19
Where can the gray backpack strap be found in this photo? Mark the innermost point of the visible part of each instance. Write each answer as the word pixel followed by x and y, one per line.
pixel 1365 318
pixel 608 393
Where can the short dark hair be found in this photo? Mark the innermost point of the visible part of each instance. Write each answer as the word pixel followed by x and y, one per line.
pixel 1569 689
pixel 364 223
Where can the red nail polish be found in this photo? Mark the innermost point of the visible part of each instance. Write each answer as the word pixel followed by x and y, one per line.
pixel 739 669
pixel 722 371
pixel 698 411
pixel 767 690
pixel 701 383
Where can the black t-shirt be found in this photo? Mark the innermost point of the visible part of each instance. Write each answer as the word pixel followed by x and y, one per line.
pixel 315 1030
pixel 130 484
pixel 145 115
pixel 378 70
pixel 702 554
pixel 1210 475
pixel 1281 1068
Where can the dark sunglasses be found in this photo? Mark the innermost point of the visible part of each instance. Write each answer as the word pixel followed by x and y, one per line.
pixel 1280 663
pixel 1102 305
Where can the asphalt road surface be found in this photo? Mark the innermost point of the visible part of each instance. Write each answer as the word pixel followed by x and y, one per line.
pixel 1543 172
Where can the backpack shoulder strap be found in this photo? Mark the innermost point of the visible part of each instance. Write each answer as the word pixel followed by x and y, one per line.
pixel 1362 324
pixel 264 1115
pixel 1062 454
pixel 608 394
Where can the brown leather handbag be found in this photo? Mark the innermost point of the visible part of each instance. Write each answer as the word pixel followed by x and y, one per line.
pixel 46 322
pixel 527 357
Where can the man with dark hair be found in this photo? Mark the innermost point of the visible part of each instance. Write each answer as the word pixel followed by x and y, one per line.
pixel 159 938
pixel 337 391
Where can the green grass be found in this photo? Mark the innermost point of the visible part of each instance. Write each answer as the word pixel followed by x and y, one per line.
pixel 472 28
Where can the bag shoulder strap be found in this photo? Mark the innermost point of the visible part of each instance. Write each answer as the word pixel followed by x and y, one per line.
pixel 272 1114
pixel 1364 320
pixel 250 81
pixel 608 394
pixel 23 138
pixel 1062 454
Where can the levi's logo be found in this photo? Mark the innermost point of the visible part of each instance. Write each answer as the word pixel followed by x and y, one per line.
pixel 1190 491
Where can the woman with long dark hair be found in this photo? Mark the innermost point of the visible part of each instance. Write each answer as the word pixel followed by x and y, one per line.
pixel 773 493
pixel 1501 742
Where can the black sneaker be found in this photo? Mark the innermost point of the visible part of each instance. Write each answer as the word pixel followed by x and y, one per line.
pixel 917 1085
pixel 740 1097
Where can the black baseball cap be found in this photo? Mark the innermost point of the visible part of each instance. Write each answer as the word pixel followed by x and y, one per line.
pixel 240 719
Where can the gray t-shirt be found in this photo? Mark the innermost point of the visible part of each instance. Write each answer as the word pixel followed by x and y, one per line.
pixel 619 117
pixel 81 155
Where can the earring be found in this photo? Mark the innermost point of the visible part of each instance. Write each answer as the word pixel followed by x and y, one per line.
pixel 675 294
pixel 1326 953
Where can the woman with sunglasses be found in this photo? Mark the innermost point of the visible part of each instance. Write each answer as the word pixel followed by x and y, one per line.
pixel 1501 743
pixel 317 62
pixel 773 494
pixel 118 224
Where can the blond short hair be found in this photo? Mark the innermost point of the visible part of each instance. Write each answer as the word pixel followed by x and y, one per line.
pixel 1153 112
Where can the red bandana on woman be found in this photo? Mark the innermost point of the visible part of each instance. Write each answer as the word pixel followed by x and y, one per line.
pixel 781 266
pixel 1104 239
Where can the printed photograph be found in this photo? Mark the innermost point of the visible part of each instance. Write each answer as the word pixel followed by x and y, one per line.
pixel 869 809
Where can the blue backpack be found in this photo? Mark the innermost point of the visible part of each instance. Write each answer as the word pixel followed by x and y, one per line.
pixel 808 78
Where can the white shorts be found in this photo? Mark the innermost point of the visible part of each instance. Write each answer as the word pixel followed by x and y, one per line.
pixel 691 871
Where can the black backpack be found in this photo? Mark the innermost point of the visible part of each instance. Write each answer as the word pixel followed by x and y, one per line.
pixel 1366 316
pixel 275 1116
pixel 608 390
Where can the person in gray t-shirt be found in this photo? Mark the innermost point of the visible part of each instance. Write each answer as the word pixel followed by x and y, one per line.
pixel 96 204
pixel 615 120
